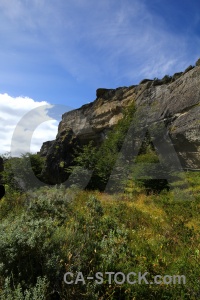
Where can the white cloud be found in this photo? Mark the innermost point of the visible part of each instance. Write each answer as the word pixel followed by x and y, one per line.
pixel 12 110
pixel 107 42
pixel 73 30
pixel 118 41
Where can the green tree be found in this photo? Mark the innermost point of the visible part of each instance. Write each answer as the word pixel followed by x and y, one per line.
pixel 102 160
pixel 19 172
pixel 197 62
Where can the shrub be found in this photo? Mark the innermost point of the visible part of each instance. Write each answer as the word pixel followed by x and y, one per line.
pixel 197 62
pixel 93 232
pixel 20 172
pixel 166 79
pixel 102 160
pixel 37 292
pixel 31 240
pixel 145 81
pixel 176 76
pixel 157 81
pixel 188 69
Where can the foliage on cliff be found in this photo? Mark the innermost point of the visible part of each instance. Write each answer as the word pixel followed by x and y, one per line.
pixel 101 160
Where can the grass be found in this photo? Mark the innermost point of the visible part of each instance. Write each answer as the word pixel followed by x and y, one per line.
pixel 90 231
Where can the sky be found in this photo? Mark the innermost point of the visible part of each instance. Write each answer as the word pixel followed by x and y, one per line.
pixel 58 52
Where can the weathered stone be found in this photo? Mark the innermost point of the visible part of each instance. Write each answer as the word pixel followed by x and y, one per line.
pixel 59 157
pixel 92 120
pixel 45 148
pixel 177 104
pixel 102 91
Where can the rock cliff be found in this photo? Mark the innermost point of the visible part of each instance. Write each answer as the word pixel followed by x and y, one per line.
pixel 174 100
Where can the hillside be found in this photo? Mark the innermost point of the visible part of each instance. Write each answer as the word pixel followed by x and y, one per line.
pixel 173 101
pixel 125 225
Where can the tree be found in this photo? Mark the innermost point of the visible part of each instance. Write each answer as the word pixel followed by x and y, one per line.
pixel 19 171
pixel 102 160
pixel 197 62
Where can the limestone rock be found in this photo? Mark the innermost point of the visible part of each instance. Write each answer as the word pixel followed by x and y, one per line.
pixel 59 157
pixel 45 148
pixel 175 102
pixel 101 92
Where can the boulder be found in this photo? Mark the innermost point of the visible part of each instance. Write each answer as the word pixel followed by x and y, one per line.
pixel 102 91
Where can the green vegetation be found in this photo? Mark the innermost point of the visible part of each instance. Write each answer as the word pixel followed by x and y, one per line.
pixel 190 67
pixel 19 172
pixel 48 231
pixel 102 159
pixel 51 231
pixel 197 62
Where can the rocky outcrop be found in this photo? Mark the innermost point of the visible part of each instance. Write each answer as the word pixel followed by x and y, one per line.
pixel 176 103
pixel 60 156
pixel 91 122
pixel 102 92
pixel 45 147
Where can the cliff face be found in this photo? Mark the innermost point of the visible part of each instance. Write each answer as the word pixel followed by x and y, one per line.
pixel 176 103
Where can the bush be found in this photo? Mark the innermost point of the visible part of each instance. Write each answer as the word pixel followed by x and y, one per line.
pixel 188 69
pixel 37 292
pixel 102 160
pixel 166 79
pixel 176 76
pixel 31 240
pixel 64 231
pixel 197 62
pixel 145 81
pixel 20 172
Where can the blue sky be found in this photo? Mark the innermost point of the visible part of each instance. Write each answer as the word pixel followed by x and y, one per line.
pixel 61 51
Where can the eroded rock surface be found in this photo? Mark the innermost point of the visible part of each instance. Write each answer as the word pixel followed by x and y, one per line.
pixel 177 104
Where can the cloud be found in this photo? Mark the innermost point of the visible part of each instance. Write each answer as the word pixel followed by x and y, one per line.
pixel 51 46
pixel 117 42
pixel 104 43
pixel 12 112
